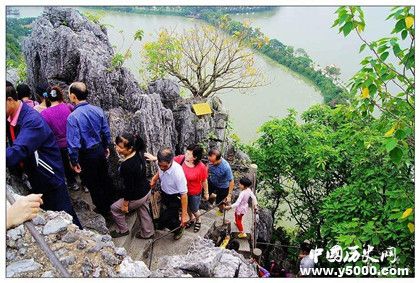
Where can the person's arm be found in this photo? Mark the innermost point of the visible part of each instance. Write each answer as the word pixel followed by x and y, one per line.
pixel 24 208
pixel 154 180
pixel 231 185
pixel 254 201
pixel 237 202
pixel 73 141
pixel 181 182
pixel 29 139
pixel 204 183
pixel 129 184
pixel 150 157
pixel 205 186
pixel 105 132
pixel 184 206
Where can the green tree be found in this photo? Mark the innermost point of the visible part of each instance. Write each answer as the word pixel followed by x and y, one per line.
pixel 346 173
pixel 204 60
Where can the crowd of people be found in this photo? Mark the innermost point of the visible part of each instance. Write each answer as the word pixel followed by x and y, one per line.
pixel 52 141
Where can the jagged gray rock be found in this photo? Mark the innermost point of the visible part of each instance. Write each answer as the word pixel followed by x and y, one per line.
pixel 21 266
pixel 206 260
pixel 81 51
pixel 264 226
pixel 130 268
pixel 168 91
pixel 56 225
pixel 102 261
pixel 88 218
pixel 12 76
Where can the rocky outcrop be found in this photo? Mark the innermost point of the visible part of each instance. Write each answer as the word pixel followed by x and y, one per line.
pixel 82 252
pixel 264 226
pixel 89 219
pixel 205 260
pixel 12 75
pixel 65 47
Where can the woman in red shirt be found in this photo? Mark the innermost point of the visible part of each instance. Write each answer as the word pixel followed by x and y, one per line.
pixel 196 174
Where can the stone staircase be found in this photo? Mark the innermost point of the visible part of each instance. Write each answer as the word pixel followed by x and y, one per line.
pixel 139 249
pixel 244 244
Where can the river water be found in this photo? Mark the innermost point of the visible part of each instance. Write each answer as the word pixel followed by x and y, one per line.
pixel 247 111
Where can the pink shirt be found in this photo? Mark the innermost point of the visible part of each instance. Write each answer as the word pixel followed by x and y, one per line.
pixel 241 203
pixel 13 120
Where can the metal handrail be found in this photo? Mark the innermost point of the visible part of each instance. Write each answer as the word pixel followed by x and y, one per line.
pixel 41 242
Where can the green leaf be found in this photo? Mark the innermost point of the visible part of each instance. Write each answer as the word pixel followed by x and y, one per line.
pixel 396 155
pixel 347 28
pixel 400 134
pixel 362 47
pixel 390 144
pixel 404 34
pixel 399 26
pixel 384 56
pixel 396 48
pixel 375 240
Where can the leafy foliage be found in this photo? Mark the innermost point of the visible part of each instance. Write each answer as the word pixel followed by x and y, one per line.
pixel 204 60
pixel 16 30
pixel 347 174
pixel 118 59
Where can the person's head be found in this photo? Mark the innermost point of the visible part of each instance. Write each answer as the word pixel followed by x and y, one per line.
pixel 214 155
pixel 78 92
pixel 244 183
pixel 194 153
pixel 127 143
pixel 23 91
pixel 165 157
pixel 305 248
pixel 9 84
pixel 12 100
pixel 55 94
pixel 41 91
pixel 233 245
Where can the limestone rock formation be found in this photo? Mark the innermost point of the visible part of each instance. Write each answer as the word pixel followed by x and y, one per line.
pixel 205 260
pixel 83 253
pixel 264 226
pixel 64 47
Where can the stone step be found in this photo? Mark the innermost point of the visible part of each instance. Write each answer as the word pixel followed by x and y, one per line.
pixel 167 246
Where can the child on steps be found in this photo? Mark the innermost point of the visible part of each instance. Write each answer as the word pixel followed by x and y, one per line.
pixel 241 204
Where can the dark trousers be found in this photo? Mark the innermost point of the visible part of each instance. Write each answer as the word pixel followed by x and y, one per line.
pixel 96 178
pixel 58 199
pixel 221 193
pixel 169 215
pixel 70 176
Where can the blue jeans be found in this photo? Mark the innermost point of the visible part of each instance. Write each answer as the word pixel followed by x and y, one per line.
pixel 194 203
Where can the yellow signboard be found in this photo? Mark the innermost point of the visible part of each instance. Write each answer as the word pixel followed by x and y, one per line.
pixel 202 109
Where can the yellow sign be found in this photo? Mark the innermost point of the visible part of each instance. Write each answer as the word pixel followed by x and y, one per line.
pixel 202 109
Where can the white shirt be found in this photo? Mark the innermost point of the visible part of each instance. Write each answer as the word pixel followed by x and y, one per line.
pixel 173 180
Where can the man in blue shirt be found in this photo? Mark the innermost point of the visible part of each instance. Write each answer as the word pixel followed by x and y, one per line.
pixel 33 148
pixel 220 179
pixel 88 137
